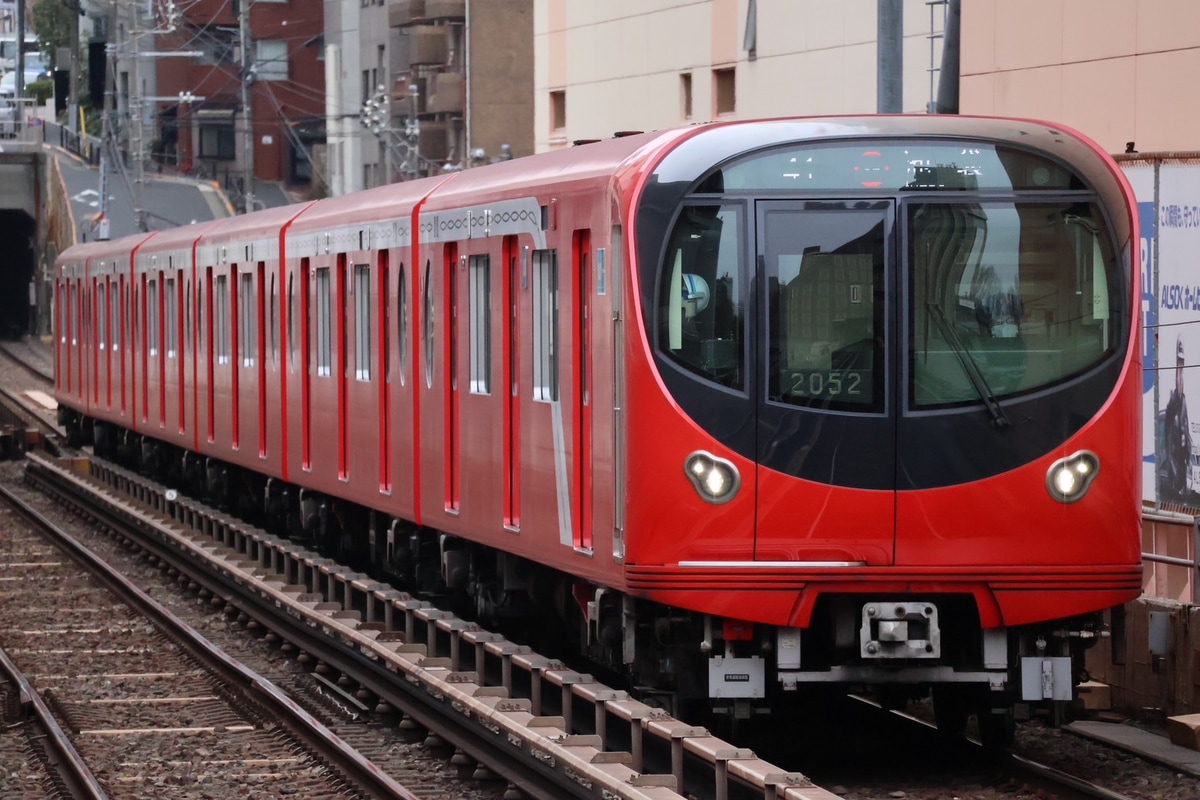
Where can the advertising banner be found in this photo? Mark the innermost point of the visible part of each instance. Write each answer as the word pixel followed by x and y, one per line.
pixel 1141 178
pixel 1175 335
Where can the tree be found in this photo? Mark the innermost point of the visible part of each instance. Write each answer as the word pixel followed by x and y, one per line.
pixel 55 23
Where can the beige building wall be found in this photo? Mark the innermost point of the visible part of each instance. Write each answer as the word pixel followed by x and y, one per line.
pixel 1118 70
pixel 620 64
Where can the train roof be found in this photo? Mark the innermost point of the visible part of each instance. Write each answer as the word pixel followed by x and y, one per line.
pixel 175 238
pixel 368 205
pixel 249 226
pixel 75 258
pixel 548 172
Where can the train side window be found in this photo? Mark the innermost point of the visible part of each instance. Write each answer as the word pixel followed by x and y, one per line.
pixel 428 327
pixel 479 291
pixel 248 340
pixel 102 316
pixel 73 314
pixel 221 321
pixel 171 318
pixel 274 323
pixel 402 320
pixel 114 332
pixel 362 322
pixel 323 323
pixel 152 316
pixel 291 320
pixel 63 315
pixel 200 340
pixel 701 307
pixel 545 325
pixel 385 300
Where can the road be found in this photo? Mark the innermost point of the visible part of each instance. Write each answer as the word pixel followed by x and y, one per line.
pixel 169 201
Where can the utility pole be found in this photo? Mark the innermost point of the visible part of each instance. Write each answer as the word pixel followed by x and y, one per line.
pixel 107 145
pixel 136 132
pixel 19 86
pixel 247 116
pixel 890 68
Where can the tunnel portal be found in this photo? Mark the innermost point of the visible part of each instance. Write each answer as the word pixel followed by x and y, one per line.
pixel 18 248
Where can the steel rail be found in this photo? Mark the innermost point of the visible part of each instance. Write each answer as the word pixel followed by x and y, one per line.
pixel 530 740
pixel 70 765
pixel 275 702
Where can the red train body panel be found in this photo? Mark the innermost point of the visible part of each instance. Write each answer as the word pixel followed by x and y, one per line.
pixel 750 405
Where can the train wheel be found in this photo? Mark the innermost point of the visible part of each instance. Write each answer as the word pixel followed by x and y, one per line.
pixel 997 728
pixel 951 707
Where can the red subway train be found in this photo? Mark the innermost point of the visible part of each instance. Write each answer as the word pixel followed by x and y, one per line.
pixel 747 408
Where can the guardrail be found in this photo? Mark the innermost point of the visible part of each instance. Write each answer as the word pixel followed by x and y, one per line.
pixel 18 121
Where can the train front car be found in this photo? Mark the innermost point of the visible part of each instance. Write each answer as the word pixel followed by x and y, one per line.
pixel 883 430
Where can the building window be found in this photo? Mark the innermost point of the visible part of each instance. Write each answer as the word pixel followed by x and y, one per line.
pixel 217 141
pixel 362 322
pixel 324 325
pixel 479 289
pixel 545 325
pixel 217 45
pixel 685 94
pixel 558 110
pixel 726 90
pixel 271 60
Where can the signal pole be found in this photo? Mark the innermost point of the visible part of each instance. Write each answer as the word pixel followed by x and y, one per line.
pixel 247 116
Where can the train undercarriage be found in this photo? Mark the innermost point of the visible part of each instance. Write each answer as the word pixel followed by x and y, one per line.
pixel 897 649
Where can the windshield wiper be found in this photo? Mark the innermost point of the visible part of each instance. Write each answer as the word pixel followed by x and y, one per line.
pixel 999 420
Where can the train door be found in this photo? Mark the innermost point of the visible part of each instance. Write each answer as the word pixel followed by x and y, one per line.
pixel 177 348
pixel 121 340
pixel 341 370
pixel 260 349
pixel 582 360
pixel 205 301
pixel 96 299
pixel 511 404
pixel 383 368
pixel 159 329
pixel 826 413
pixel 452 399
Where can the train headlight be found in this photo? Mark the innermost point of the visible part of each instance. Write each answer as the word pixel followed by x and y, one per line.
pixel 715 479
pixel 1068 479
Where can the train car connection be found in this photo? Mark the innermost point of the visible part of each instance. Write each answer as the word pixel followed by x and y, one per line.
pixel 748 408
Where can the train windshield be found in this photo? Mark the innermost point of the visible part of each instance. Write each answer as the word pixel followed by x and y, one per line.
pixel 980 272
pixel 1016 293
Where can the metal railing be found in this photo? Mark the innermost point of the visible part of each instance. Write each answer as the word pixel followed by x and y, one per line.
pixel 1192 563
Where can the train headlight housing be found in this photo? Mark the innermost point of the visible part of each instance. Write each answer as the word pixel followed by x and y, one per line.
pixel 715 479
pixel 1068 479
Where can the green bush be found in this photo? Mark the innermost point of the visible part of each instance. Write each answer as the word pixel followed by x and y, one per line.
pixel 41 90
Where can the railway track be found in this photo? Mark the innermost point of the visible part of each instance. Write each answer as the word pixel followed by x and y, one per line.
pixel 145 701
pixel 540 726
pixel 504 703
